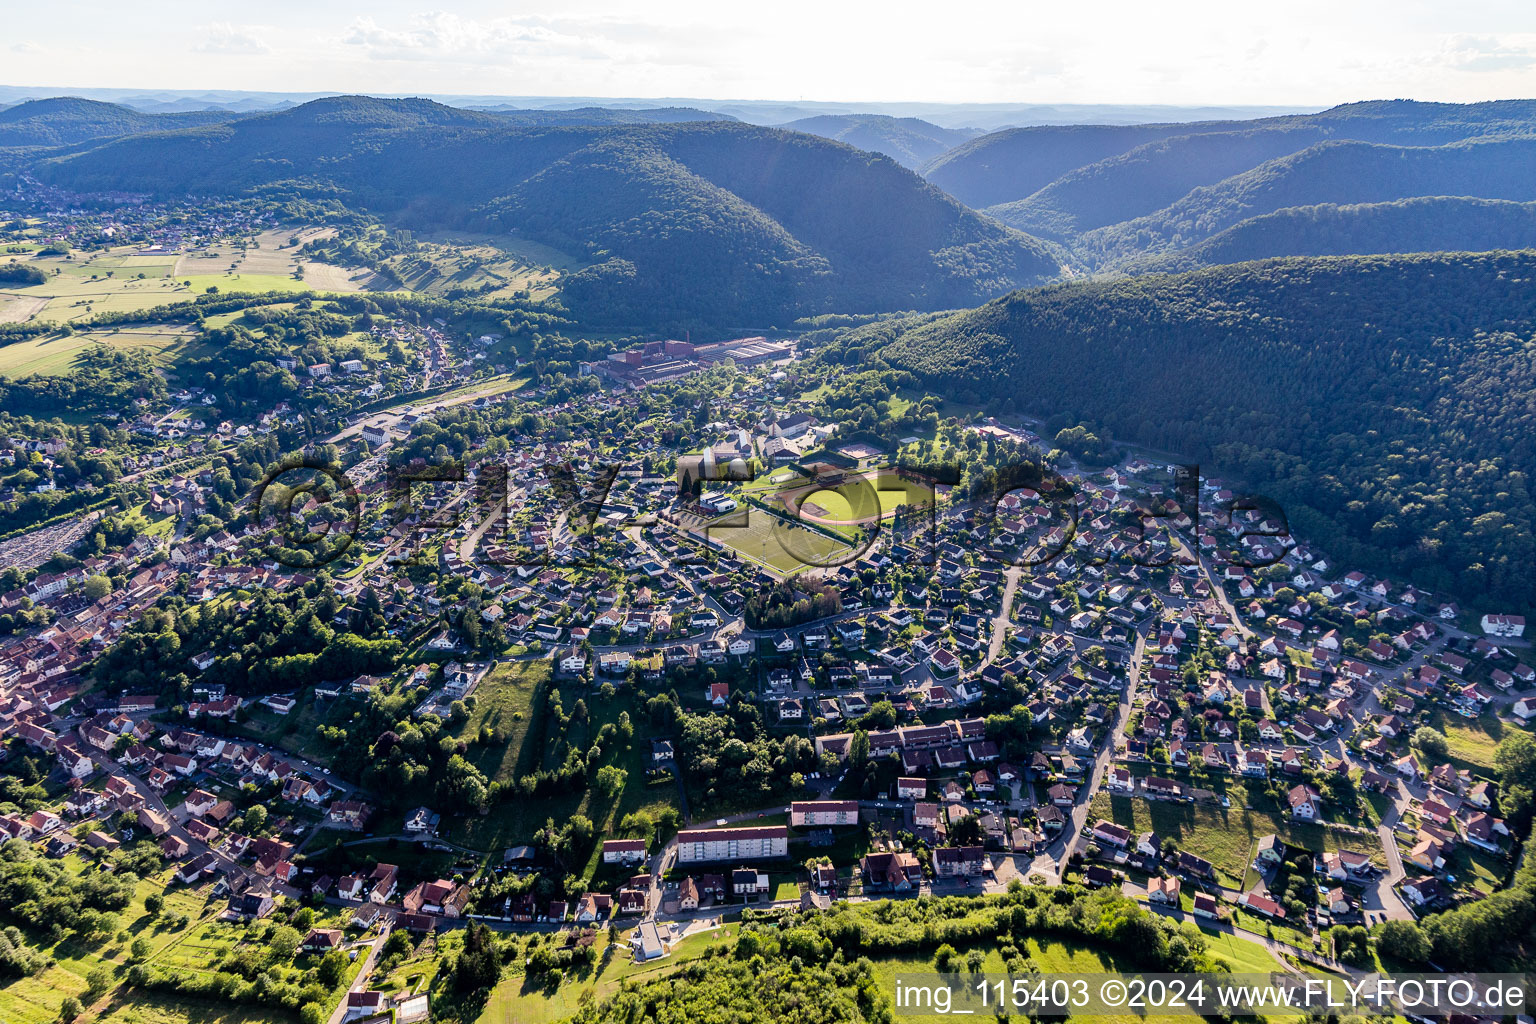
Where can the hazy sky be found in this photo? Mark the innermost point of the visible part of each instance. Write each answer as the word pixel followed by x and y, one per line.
pixel 1304 52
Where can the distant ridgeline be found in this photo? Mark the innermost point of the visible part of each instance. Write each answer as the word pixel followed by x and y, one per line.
pixel 678 218
pixel 1389 403
pixel 1115 195
pixel 702 222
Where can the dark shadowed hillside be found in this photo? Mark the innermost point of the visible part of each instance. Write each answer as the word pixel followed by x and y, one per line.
pixel 710 220
pixel 1358 391
pixel 1013 164
pixel 68 120
pixel 1428 224
pixel 1147 178
pixel 1330 172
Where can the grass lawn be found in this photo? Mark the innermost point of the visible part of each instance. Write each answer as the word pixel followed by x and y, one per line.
pixel 1474 867
pixel 1051 956
pixel 38 998
pixel 271 257
pixel 54 355
pixel 295 731
pixel 1242 956
pixel 504 701
pixel 200 948
pixel 1225 837
pixel 415 972
pixel 1472 740
pixel 517 999
pixel 161 1008
pixel 513 701
pixel 243 282
pixel 785 887
pixel 776 544
pixel 225 319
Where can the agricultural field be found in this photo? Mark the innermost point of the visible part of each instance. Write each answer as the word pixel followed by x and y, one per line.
pixel 55 354
pixel 1223 836
pixel 127 278
pixel 270 261
pixel 81 285
pixel 782 547
pixel 494 266
pixel 15 309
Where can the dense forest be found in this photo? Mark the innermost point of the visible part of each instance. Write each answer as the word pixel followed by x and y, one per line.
pixel 791 602
pixel 1012 164
pixel 1385 402
pixel 1330 172
pixel 1424 224
pixel 264 644
pixel 703 222
pixel 20 274
pixel 818 967
pixel 1113 196
pixel 65 120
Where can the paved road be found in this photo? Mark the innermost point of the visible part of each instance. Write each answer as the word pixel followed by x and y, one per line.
pixel 1383 897
pixel 391 417
pixel 1055 857
pixel 360 981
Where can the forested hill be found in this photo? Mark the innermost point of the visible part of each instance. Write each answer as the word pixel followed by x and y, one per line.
pixel 1330 172
pixel 1010 165
pixel 1426 224
pixel 605 115
pixel 910 141
pixel 710 222
pixel 1139 192
pixel 68 120
pixel 1389 403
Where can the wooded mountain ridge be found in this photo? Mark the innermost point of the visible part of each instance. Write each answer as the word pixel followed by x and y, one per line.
pixel 704 222
pixel 678 218
pixel 1388 402
pixel 1115 195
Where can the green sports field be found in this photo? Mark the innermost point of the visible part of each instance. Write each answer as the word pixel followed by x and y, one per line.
pixel 776 544
pixel 853 500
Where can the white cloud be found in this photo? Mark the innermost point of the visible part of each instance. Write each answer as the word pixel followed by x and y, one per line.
pixel 1000 51
pixel 222 37
pixel 442 36
pixel 1485 53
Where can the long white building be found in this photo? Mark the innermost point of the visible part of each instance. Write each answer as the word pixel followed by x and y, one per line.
pixel 707 844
